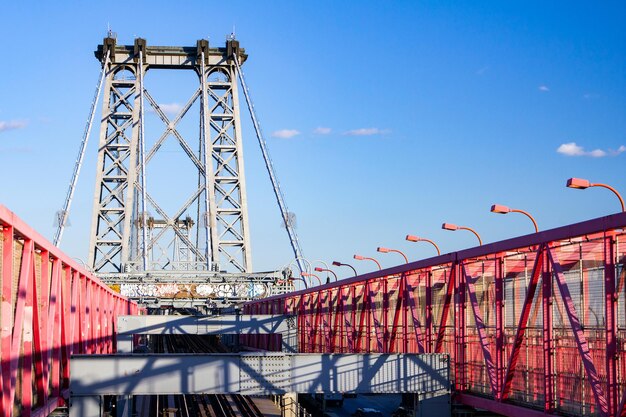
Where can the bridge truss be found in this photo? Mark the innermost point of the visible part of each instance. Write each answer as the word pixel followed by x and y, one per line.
pixel 535 325
pixel 208 230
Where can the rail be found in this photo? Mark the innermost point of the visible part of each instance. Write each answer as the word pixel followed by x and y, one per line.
pixel 534 325
pixel 52 308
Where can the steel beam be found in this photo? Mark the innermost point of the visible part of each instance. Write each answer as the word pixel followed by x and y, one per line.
pixel 128 326
pixel 258 374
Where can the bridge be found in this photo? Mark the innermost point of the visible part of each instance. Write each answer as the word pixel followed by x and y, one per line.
pixel 530 326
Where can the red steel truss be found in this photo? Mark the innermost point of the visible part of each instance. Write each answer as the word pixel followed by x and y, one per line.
pixel 535 325
pixel 51 308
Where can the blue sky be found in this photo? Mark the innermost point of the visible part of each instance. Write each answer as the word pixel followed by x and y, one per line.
pixel 383 118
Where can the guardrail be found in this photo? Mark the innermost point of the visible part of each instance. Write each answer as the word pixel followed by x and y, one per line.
pixel 52 308
pixel 534 325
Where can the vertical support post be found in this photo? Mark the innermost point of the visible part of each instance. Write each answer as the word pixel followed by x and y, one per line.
pixel 385 321
pixel 243 195
pixel 7 317
pixel 210 226
pixel 499 353
pixel 429 311
pixel 610 305
pixel 54 326
pixel 352 334
pixel 328 321
pixel 405 312
pixel 548 342
pixel 302 330
pixel 450 291
pixel 27 338
pixel 459 331
pixel 367 302
pixel 142 159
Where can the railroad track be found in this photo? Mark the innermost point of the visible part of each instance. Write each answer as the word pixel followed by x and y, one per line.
pixel 194 405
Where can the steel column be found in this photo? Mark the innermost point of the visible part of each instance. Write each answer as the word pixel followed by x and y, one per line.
pixel 610 313
pixel 548 340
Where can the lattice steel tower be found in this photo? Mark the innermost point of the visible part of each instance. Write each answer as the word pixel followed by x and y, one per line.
pixel 132 230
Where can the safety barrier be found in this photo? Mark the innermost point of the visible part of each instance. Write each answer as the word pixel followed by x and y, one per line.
pixel 52 308
pixel 534 325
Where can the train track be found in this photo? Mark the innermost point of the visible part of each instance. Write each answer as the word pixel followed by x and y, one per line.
pixel 194 405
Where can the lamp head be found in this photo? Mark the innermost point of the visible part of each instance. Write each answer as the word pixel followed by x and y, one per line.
pixel 499 208
pixel 412 238
pixel 449 226
pixel 318 269
pixel 337 263
pixel 382 250
pixel 359 257
pixel 579 183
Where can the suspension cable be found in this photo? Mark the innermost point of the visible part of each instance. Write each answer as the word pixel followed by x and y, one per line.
pixel 81 154
pixel 293 238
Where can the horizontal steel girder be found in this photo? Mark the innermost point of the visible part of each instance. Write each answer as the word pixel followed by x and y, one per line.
pixel 205 325
pixel 259 374
pixel 128 326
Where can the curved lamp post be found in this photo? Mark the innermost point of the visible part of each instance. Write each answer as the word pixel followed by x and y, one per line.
pixel 306 274
pixel 318 269
pixel 453 227
pixel 365 258
pixel 499 208
pixel 301 279
pixel 581 184
pixel 337 263
pixel 387 250
pixel 412 238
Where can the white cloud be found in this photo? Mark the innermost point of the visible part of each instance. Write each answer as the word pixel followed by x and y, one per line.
pixel 572 149
pixel 597 153
pixel 171 109
pixel 589 96
pixel 12 124
pixel 367 131
pixel 285 133
pixel 322 130
pixel 544 88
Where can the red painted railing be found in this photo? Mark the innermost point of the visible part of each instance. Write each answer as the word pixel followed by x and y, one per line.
pixel 51 308
pixel 534 325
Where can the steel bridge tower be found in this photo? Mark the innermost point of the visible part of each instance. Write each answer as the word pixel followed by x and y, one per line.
pixel 132 231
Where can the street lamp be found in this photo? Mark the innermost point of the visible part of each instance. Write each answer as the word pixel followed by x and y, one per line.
pixel 365 258
pixel 306 274
pixel 581 184
pixel 498 208
pixel 337 263
pixel 412 238
pixel 453 227
pixel 387 250
pixel 318 269
pixel 301 279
